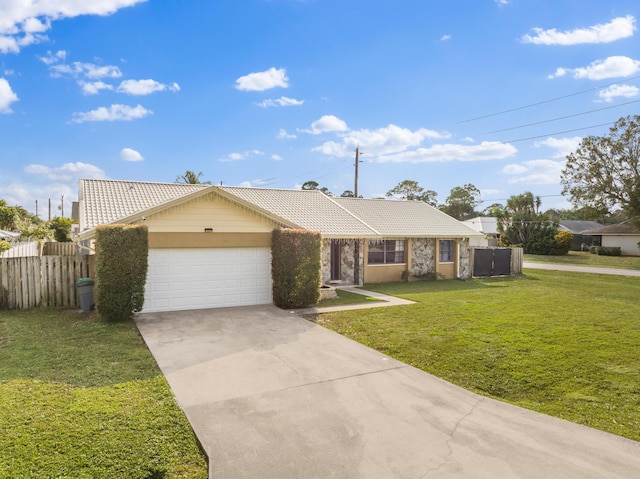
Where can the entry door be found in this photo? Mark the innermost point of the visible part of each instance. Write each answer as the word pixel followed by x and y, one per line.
pixel 336 251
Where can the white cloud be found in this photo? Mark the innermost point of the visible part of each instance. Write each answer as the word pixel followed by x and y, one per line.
pixel 52 58
pixel 611 67
pixel 7 96
pixel 383 141
pixel 236 156
pixel 282 101
pixel 451 152
pixel 23 23
pixel 445 38
pixel 261 81
pixel 536 172
pixel 562 146
pixel 327 123
pixel 113 113
pixel 276 157
pixel 283 135
pixel 614 91
pixel 95 87
pixel 616 29
pixel 502 2
pixel 128 154
pixel 489 192
pixel 66 172
pixel 85 70
pixel 145 87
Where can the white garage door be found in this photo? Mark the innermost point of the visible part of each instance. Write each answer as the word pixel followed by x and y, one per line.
pixel 198 278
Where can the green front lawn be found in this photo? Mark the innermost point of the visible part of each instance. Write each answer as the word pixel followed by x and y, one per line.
pixel 587 259
pixel 80 398
pixel 564 344
pixel 346 297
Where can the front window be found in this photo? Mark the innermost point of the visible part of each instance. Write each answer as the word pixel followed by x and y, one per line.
pixel 386 252
pixel 446 251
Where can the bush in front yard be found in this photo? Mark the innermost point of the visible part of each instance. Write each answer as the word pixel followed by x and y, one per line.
pixel 564 241
pixel 121 270
pixel 296 266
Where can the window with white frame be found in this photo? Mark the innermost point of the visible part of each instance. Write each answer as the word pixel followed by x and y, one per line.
pixel 446 251
pixel 386 252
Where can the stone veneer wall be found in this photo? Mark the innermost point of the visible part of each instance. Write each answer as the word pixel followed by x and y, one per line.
pixel 464 261
pixel 326 260
pixel 423 256
pixel 347 267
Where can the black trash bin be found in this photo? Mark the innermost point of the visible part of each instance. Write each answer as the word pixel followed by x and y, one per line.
pixel 85 293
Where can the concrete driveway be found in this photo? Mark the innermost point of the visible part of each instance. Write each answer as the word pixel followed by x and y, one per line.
pixel 272 395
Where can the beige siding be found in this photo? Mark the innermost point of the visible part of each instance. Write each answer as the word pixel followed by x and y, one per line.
pixel 383 273
pixel 209 211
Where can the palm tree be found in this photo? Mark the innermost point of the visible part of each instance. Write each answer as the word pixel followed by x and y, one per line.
pixel 191 178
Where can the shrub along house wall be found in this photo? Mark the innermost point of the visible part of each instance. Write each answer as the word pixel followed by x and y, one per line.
pixel 121 270
pixel 296 267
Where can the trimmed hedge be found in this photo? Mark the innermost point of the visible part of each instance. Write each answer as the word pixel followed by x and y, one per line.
pixel 609 251
pixel 121 270
pixel 296 267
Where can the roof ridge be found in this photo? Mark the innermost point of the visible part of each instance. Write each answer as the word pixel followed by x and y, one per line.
pixel 352 214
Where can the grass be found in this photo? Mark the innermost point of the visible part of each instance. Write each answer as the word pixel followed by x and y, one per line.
pixel 80 398
pixel 345 298
pixel 587 259
pixel 564 344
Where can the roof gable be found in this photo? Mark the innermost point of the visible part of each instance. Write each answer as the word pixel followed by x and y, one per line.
pixel 111 201
pixel 107 201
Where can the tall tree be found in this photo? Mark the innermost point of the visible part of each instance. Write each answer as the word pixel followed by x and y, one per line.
pixel 604 172
pixel 191 178
pixel 11 216
pixel 313 185
pixel 519 220
pixel 411 190
pixel 462 202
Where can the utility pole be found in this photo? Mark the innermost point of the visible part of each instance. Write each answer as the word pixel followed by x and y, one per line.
pixel 355 186
pixel 356 249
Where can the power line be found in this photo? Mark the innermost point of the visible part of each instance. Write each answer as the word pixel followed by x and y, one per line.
pixel 531 105
pixel 561 117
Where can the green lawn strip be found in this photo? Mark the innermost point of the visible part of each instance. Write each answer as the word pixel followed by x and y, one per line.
pixel 347 297
pixel 564 344
pixel 587 259
pixel 81 398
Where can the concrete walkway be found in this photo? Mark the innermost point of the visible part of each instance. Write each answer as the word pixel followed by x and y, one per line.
pixel 582 269
pixel 383 300
pixel 272 395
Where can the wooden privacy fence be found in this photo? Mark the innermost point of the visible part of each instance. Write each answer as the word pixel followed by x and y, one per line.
pixel 47 281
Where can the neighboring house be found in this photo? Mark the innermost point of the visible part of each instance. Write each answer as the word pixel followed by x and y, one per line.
pixel 9 236
pixel 581 241
pixel 624 235
pixel 209 246
pixel 488 226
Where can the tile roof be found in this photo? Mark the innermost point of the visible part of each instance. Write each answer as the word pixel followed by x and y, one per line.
pixel 417 219
pixel 106 201
pixel 308 209
pixel 109 201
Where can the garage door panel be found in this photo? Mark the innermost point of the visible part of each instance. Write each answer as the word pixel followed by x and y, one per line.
pixel 196 278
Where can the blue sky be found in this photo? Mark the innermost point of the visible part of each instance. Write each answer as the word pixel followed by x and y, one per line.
pixel 272 93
